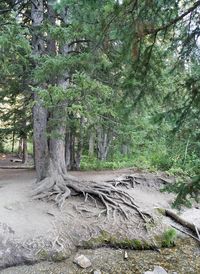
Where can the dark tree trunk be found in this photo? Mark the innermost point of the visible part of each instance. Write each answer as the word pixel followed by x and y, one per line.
pixel 13 138
pixel 20 147
pixel 24 151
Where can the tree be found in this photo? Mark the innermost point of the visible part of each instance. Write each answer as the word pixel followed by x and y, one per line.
pixel 53 180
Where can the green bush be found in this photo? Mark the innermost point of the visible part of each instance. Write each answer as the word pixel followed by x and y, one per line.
pixel 169 237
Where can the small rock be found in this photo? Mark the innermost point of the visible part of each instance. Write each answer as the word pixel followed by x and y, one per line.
pixel 97 271
pixel 157 270
pixel 125 255
pixel 82 261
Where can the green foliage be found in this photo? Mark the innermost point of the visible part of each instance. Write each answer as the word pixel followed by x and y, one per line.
pixel 187 191
pixel 169 238
pixel 88 163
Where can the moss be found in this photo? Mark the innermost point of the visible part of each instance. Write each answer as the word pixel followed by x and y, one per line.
pixel 161 210
pixel 106 239
pixel 58 257
pixel 43 254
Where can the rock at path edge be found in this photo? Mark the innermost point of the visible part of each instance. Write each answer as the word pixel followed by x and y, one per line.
pixel 82 261
pixel 157 270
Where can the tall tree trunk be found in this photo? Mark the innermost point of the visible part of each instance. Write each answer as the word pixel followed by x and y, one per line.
pixel 91 143
pixel 20 147
pixel 13 136
pixel 24 151
pixel 68 148
pixel 79 146
pixel 72 150
pixel 103 143
pixel 39 112
pixel 49 153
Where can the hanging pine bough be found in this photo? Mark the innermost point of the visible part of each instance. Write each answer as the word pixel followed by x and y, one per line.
pixel 60 187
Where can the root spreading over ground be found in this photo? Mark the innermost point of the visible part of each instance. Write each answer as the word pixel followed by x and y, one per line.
pixel 111 194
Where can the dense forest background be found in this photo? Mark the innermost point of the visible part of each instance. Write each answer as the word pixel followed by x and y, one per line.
pixel 122 77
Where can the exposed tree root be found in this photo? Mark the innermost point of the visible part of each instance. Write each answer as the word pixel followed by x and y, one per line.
pixel 60 187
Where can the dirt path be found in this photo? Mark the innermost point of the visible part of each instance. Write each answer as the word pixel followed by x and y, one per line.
pixel 32 230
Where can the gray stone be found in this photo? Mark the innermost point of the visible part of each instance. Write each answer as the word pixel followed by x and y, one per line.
pixel 97 271
pixel 157 270
pixel 82 261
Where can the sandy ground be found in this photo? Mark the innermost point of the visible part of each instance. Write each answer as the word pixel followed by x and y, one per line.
pixel 27 226
pixel 30 218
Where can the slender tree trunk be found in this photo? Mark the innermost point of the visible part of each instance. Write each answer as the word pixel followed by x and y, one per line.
pixel 79 146
pixel 103 144
pixel 91 143
pixel 72 150
pixel 67 148
pixel 13 137
pixel 24 151
pixel 20 147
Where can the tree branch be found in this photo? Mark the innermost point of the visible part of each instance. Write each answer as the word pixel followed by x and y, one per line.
pixel 174 21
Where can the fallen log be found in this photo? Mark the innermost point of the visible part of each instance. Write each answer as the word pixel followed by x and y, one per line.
pixel 183 231
pixel 180 220
pixel 16 167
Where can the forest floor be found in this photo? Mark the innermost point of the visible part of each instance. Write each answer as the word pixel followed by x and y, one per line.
pixel 33 230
